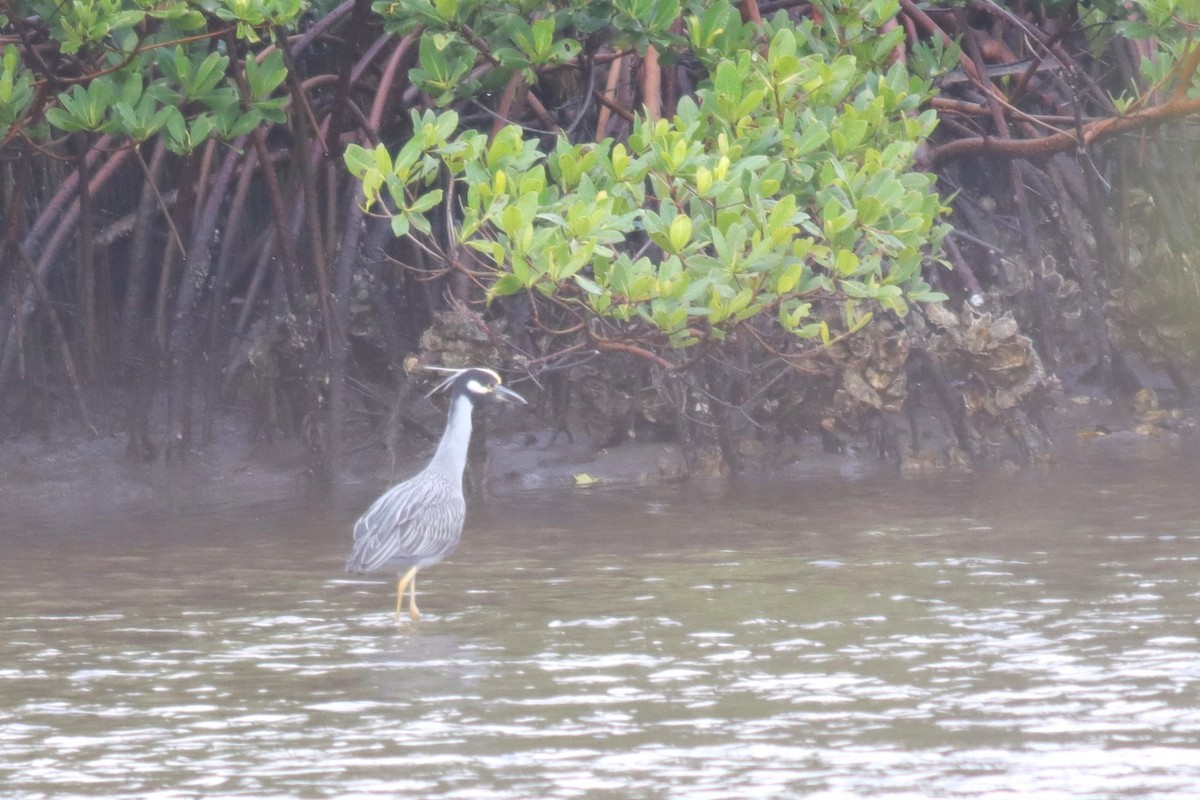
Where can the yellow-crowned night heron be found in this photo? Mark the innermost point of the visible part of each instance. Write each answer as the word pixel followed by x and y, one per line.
pixel 419 522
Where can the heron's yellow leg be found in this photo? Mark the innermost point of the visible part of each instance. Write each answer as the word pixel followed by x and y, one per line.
pixel 412 597
pixel 401 586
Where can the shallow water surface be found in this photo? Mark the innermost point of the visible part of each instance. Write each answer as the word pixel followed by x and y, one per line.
pixel 1016 635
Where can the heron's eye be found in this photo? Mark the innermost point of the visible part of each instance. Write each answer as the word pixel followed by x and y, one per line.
pixel 475 387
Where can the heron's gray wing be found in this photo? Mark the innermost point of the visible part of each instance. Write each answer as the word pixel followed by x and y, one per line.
pixel 417 520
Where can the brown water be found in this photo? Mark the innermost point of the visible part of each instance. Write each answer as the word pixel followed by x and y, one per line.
pixel 1028 635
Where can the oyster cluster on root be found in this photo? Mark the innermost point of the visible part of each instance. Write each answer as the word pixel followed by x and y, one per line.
pixel 986 377
pixel 1158 323
pixel 976 370
pixel 986 361
pixel 616 402
pixel 458 337
pixel 268 374
pixel 873 386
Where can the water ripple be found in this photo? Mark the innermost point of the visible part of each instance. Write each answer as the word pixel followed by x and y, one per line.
pixel 978 656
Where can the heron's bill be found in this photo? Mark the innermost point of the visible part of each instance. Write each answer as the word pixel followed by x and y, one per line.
pixel 506 394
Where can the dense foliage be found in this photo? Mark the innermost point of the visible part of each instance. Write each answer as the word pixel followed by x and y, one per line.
pixel 745 217
pixel 786 178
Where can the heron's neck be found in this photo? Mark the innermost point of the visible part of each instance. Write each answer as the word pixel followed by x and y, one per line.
pixel 451 455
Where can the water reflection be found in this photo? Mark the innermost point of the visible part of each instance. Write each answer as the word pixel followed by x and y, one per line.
pixel 1031 635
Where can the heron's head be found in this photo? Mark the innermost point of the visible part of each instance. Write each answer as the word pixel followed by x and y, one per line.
pixel 478 384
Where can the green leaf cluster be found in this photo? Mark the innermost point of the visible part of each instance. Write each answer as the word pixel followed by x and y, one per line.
pixel 788 178
pixel 150 70
pixel 512 36
pixel 16 89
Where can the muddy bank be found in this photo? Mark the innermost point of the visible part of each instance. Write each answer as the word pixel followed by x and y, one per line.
pixel 76 475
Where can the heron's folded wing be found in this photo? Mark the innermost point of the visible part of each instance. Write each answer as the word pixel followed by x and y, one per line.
pixel 418 519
